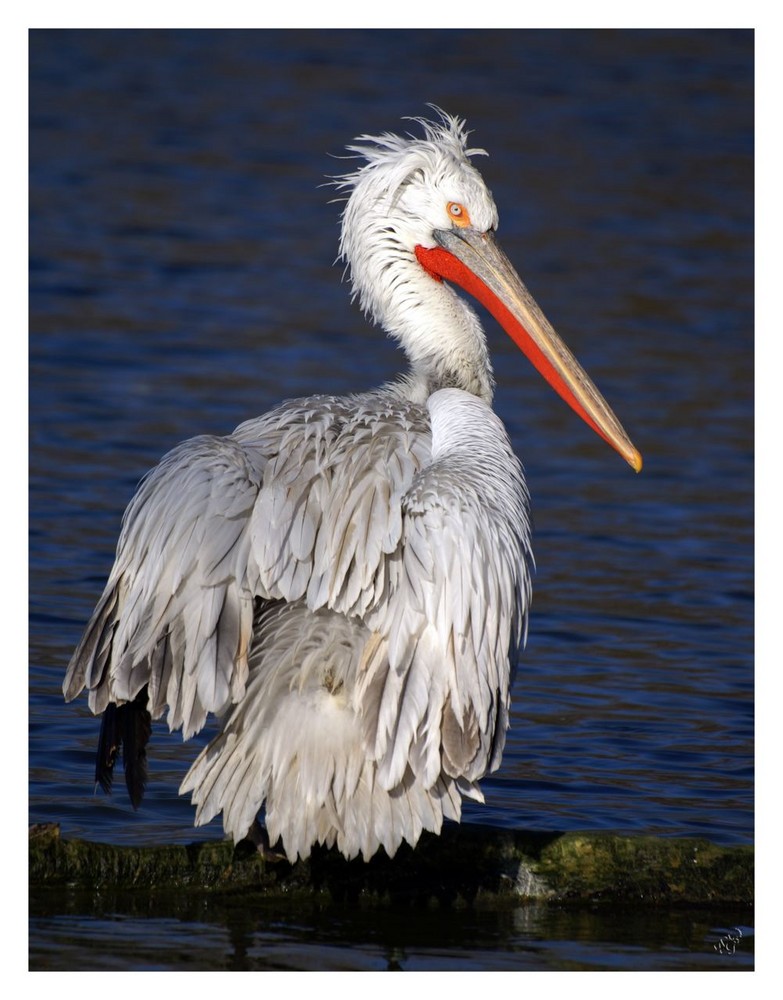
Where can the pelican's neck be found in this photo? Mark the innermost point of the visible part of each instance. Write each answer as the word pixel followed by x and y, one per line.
pixel 439 332
pixel 444 342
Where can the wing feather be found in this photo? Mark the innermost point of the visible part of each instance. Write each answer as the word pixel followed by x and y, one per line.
pixel 172 616
pixel 435 690
pixel 296 503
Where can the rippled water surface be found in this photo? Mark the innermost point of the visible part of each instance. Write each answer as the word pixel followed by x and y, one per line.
pixel 182 281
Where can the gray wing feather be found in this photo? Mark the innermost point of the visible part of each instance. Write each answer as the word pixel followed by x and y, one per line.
pixel 438 674
pixel 294 504
pixel 329 509
pixel 177 610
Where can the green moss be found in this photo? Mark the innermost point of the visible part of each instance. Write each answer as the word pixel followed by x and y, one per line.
pixel 465 866
pixel 647 869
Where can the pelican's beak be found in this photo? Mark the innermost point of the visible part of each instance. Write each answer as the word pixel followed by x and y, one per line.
pixel 475 262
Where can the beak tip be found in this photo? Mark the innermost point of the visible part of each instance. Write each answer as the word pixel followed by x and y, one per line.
pixel 635 460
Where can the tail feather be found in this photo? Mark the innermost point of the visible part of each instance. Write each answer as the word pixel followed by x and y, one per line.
pixel 125 728
pixel 296 747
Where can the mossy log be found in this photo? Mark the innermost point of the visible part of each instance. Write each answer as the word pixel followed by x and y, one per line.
pixel 466 864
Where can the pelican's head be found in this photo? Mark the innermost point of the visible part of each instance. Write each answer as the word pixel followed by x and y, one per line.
pixel 411 187
pixel 407 190
pixel 419 218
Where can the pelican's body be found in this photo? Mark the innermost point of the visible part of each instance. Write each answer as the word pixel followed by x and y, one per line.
pixel 345 582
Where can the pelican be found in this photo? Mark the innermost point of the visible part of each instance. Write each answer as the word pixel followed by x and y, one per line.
pixel 344 582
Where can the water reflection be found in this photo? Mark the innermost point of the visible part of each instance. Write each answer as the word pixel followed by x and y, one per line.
pixel 248 934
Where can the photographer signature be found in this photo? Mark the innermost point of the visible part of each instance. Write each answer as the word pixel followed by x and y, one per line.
pixel 728 943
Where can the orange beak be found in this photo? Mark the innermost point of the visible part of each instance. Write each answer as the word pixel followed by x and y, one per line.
pixel 475 262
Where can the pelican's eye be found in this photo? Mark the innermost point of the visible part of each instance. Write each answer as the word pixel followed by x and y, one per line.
pixel 458 214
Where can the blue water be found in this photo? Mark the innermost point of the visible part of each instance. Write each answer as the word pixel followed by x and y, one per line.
pixel 182 280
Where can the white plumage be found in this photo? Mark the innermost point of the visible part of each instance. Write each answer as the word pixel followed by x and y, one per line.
pixel 345 581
